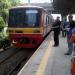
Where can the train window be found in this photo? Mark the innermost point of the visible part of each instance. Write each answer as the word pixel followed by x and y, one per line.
pixel 31 11
pixel 32 18
pixel 24 18
pixel 47 20
pixel 16 18
pixel 44 20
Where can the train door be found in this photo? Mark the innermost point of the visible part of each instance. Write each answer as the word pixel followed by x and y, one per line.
pixel 44 24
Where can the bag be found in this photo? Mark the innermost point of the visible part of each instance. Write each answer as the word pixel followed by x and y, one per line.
pixel 72 39
pixel 73 66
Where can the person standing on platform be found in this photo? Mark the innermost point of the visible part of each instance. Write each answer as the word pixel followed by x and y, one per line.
pixel 56 29
pixel 65 23
pixel 71 25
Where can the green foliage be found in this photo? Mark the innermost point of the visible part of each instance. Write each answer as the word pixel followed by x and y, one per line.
pixel 2 24
pixel 5 14
pixel 14 2
pixel 4 6
pixel 4 42
pixel 5 3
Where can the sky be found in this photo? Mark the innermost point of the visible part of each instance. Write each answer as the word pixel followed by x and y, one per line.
pixel 73 17
pixel 36 1
pixel 55 16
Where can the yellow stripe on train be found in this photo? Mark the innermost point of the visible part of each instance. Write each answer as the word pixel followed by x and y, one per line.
pixel 25 30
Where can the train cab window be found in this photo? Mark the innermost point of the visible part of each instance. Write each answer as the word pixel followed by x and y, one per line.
pixel 16 18
pixel 32 18
pixel 24 18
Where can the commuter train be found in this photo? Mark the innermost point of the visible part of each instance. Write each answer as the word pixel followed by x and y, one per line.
pixel 28 25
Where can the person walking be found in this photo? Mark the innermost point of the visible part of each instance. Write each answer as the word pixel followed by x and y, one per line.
pixel 56 29
pixel 71 25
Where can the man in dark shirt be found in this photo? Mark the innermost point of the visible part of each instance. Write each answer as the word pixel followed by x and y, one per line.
pixel 71 22
pixel 56 28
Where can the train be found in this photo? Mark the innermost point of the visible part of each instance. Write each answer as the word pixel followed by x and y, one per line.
pixel 28 25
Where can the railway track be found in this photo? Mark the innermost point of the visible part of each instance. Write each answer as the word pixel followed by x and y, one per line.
pixel 20 64
pixel 13 59
pixel 3 50
pixel 10 60
pixel 7 54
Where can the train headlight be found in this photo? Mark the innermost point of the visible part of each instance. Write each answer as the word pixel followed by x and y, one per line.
pixel 36 31
pixel 14 42
pixel 9 31
pixel 18 31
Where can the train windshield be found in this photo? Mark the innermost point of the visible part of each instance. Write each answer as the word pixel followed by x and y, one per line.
pixel 24 18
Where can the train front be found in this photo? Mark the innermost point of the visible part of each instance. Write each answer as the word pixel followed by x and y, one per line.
pixel 24 27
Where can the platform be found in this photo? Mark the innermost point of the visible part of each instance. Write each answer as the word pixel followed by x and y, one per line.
pixel 49 60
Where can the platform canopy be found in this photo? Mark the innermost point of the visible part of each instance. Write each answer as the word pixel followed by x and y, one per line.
pixel 64 6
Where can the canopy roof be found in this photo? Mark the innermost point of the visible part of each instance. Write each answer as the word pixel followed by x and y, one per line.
pixel 64 6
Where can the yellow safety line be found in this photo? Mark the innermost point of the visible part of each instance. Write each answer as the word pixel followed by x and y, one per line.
pixel 44 61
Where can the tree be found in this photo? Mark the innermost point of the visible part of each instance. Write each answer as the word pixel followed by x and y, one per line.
pixel 4 5
pixel 2 24
pixel 14 2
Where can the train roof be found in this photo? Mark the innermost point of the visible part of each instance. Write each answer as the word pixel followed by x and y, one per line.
pixel 27 6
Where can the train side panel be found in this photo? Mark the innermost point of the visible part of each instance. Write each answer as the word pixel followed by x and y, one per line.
pixel 46 23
